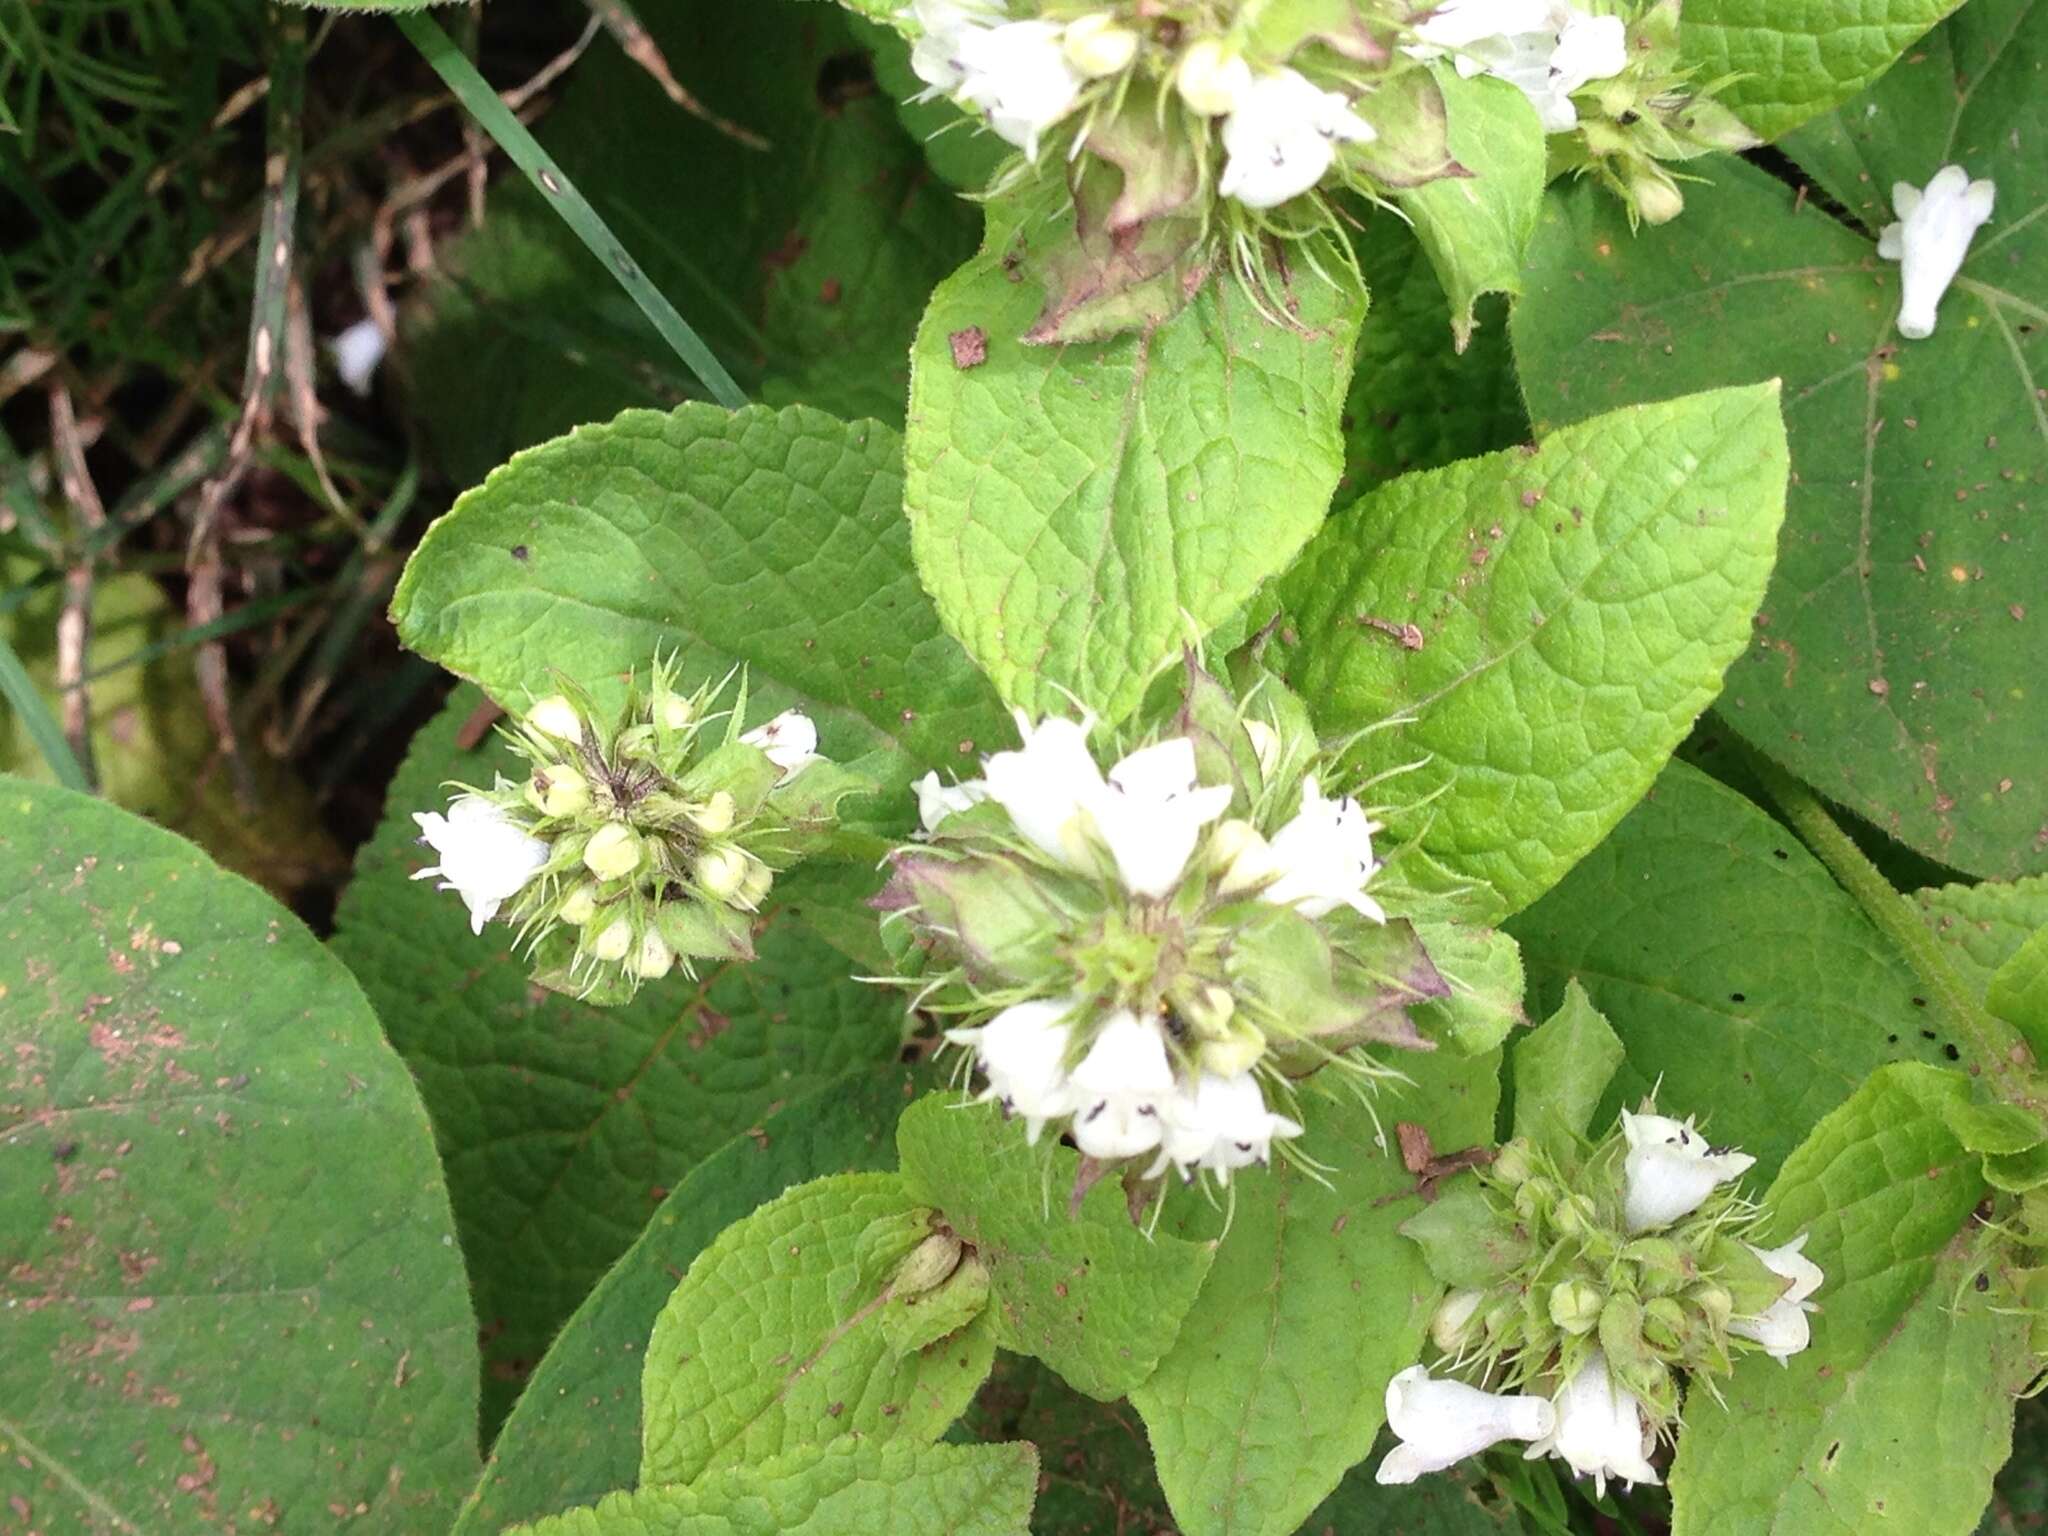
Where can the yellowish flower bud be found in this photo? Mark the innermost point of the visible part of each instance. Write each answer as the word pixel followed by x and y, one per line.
pixel 613 851
pixel 675 711
pixel 1098 46
pixel 1575 1306
pixel 558 790
pixel 722 872
pixel 715 815
pixel 754 889
pixel 1211 78
pixel 578 907
pixel 614 942
pixel 556 716
pixel 654 959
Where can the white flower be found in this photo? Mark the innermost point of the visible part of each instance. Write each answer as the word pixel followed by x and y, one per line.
pixel 789 741
pixel 1589 48
pixel 936 799
pixel 1670 1170
pixel 1282 136
pixel 485 856
pixel 1019 75
pixel 1320 860
pixel 1930 240
pixel 1121 1088
pixel 357 351
pixel 1047 786
pixel 1600 1431
pixel 1222 1126
pixel 1151 812
pixel 1211 79
pixel 1022 1052
pixel 935 57
pixel 1459 24
pixel 1442 1422
pixel 1545 51
pixel 1098 46
pixel 1783 1330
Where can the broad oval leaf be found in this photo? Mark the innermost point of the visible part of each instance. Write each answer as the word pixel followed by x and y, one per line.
pixel 775 1339
pixel 561 1125
pixel 1900 1411
pixel 1984 926
pixel 1081 512
pixel 1277 1383
pixel 773 539
pixel 1897 657
pixel 1734 969
pixel 1572 610
pixel 1786 60
pixel 231 1291
pixel 837 1490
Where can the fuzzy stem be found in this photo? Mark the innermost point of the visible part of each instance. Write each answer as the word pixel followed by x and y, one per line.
pixel 1994 1046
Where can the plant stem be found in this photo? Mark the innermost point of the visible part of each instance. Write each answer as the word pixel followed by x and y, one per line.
pixel 1994 1046
pixel 483 104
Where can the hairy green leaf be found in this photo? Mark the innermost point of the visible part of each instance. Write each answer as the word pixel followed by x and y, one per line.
pixel 1081 512
pixel 1084 1290
pixel 230 1290
pixel 1731 965
pixel 1901 1409
pixel 1277 1382
pixel 1983 926
pixel 1562 1071
pixel 835 1490
pixel 1572 609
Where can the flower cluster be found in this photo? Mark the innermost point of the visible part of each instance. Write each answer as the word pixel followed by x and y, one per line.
pixel 1152 956
pixel 641 839
pixel 1546 49
pixel 1582 1291
pixel 1932 236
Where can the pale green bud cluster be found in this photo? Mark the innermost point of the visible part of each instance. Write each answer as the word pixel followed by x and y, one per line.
pixel 665 823
pixel 1550 1260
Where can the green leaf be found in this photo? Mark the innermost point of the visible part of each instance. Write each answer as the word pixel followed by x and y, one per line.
pixel 1416 403
pixel 1983 926
pixel 1575 608
pixel 1734 969
pixel 1793 58
pixel 1085 1291
pixel 1463 1242
pixel 575 1433
pixel 1079 513
pixel 1848 1434
pixel 1456 1502
pixel 1994 1128
pixel 1476 227
pixel 775 1337
pixel 1277 1383
pixel 562 1126
pixel 1484 969
pixel 1562 1071
pixel 837 1490
pixel 772 539
pixel 1897 652
pixel 809 290
pixel 2019 992
pixel 231 1281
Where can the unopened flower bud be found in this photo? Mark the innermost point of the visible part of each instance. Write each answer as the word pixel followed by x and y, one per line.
pixel 654 959
pixel 578 907
pixel 1266 746
pixel 1575 1306
pixel 613 852
pixel 755 888
pixel 1097 45
pixel 1512 1164
pixel 1237 1050
pixel 556 716
pixel 1666 1265
pixel 636 741
pixel 1453 1327
pixel 1211 78
pixel 722 871
pixel 1575 1216
pixel 927 1265
pixel 1714 1302
pixel 1665 1325
pixel 715 816
pixel 1655 195
pixel 675 711
pixel 614 942
pixel 1535 1198
pixel 558 790
pixel 1238 849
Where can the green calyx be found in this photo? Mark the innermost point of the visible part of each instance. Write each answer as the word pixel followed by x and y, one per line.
pixel 665 829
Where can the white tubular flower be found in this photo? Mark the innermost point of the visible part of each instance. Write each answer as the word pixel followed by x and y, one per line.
pixel 1442 1422
pixel 1458 24
pixel 1783 1330
pixel 1323 857
pixel 789 741
pixel 485 856
pixel 1588 48
pixel 1022 1051
pixel 357 351
pixel 1047 786
pixel 935 56
pixel 1931 239
pixel 1211 79
pixel 1600 1431
pixel 1282 136
pixel 1098 45
pixel 1670 1170
pixel 936 799
pixel 1563 51
pixel 1222 1126
pixel 1151 814
pixel 1020 76
pixel 1121 1089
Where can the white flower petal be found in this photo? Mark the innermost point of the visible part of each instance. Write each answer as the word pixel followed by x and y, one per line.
pixel 789 741
pixel 1600 1431
pixel 1670 1170
pixel 1323 857
pixel 357 351
pixel 1281 138
pixel 1019 75
pixel 1151 812
pixel 1931 239
pixel 486 856
pixel 1047 785
pixel 1022 1051
pixel 936 799
pixel 1121 1089
pixel 1442 1422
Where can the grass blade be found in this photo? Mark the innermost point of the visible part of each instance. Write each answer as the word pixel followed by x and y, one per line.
pixel 482 102
pixel 19 689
